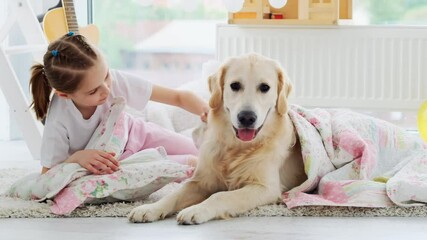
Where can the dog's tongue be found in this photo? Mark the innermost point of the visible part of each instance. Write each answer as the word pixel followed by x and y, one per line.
pixel 245 134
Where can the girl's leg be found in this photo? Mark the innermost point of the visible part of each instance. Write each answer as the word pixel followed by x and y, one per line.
pixel 174 143
pixel 143 135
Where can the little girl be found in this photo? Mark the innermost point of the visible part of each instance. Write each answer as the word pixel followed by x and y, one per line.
pixel 84 87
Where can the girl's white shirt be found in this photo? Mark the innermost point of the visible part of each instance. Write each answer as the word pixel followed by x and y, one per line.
pixel 66 131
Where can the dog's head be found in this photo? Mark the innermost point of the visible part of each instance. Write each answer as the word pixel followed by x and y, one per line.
pixel 250 90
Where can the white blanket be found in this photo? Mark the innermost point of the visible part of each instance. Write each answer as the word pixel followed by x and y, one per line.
pixel 356 160
pixel 70 185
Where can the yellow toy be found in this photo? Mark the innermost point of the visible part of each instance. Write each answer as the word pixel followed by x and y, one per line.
pixel 422 121
pixel 304 12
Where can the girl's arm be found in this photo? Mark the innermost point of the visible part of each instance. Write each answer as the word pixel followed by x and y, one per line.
pixel 55 146
pixel 95 161
pixel 180 98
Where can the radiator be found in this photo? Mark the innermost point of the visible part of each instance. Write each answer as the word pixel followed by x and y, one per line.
pixel 364 67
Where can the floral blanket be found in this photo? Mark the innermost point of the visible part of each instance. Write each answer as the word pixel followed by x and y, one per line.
pixel 355 160
pixel 69 185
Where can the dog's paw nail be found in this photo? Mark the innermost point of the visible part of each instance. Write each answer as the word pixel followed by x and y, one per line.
pixel 146 213
pixel 193 215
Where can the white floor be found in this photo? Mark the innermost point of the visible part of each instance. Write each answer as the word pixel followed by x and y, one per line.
pixel 15 154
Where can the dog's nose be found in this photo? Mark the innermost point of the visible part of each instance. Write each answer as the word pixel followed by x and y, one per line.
pixel 246 118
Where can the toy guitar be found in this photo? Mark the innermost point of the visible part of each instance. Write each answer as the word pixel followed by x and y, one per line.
pixel 59 21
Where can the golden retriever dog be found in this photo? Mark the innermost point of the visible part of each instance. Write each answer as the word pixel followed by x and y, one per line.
pixel 250 153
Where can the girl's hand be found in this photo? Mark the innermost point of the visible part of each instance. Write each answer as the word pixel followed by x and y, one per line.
pixel 95 161
pixel 204 117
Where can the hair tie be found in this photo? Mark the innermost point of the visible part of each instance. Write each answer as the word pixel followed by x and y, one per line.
pixel 44 76
pixel 70 34
pixel 55 53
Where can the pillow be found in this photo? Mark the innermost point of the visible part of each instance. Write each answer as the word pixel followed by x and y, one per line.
pixel 177 119
pixel 112 133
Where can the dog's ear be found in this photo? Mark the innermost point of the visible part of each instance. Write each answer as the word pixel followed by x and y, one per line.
pixel 284 88
pixel 216 87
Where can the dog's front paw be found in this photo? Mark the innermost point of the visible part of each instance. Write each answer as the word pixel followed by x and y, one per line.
pixel 147 213
pixel 194 215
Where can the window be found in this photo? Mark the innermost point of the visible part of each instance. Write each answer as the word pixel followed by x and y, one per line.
pixel 163 41
pixel 391 12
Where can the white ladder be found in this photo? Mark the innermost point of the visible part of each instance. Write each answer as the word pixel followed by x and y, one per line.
pixel 20 12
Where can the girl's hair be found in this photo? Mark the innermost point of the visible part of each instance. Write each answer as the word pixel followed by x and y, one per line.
pixel 64 66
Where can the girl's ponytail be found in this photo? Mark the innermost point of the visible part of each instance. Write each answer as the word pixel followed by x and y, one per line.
pixel 41 90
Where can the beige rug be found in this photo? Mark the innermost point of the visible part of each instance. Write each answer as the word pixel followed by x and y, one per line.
pixel 17 208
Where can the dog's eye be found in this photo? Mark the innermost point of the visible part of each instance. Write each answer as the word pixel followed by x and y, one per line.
pixel 264 87
pixel 236 86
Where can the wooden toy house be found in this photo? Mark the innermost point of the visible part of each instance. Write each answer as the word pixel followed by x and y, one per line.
pixel 308 12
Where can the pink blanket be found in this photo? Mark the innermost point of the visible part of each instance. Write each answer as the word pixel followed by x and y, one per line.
pixel 356 160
